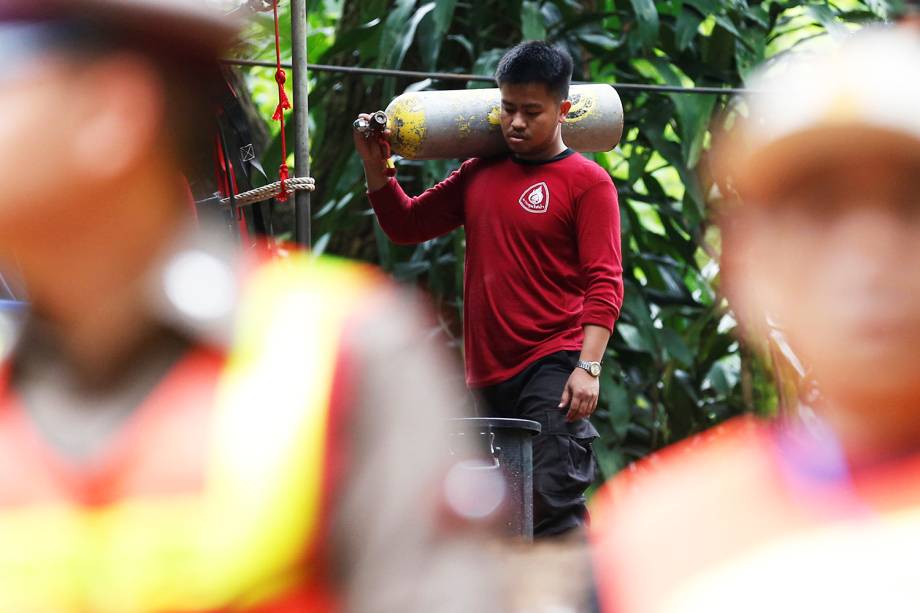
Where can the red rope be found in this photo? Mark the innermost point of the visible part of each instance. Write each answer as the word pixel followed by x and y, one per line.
pixel 283 105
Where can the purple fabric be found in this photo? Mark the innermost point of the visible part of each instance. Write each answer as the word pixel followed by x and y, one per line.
pixel 813 465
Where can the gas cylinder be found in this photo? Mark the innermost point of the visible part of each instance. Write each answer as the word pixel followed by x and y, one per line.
pixel 465 123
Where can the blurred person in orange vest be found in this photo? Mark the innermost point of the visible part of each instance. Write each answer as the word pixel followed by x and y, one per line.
pixel 185 427
pixel 819 511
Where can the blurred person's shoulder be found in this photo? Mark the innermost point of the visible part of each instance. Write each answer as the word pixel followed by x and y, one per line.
pixel 691 505
pixel 739 438
pixel 309 298
pixel 689 496
pixel 293 271
pixel 374 313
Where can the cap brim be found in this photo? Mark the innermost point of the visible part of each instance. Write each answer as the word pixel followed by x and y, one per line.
pixel 763 172
pixel 184 24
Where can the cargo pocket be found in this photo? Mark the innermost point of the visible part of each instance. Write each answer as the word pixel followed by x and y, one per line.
pixel 578 453
pixel 566 462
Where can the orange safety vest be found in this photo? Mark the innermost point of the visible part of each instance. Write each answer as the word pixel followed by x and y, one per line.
pixel 214 496
pixel 735 521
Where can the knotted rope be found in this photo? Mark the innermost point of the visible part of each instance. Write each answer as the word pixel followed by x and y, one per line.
pixel 272 190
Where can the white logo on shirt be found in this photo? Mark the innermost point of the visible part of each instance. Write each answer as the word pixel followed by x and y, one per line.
pixel 535 198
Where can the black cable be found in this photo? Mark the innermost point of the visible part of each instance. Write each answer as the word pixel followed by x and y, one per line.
pixel 466 78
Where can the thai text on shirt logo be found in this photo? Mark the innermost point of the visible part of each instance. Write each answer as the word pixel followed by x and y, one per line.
pixel 535 198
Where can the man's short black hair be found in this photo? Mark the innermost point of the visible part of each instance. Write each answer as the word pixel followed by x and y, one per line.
pixel 537 62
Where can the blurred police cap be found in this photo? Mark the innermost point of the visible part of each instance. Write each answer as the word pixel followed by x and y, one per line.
pixel 859 98
pixel 204 27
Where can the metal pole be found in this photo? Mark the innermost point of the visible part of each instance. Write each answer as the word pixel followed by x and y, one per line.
pixel 301 121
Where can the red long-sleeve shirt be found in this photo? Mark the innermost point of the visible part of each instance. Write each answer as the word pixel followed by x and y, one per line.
pixel 542 254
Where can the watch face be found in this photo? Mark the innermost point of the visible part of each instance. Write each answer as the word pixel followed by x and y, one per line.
pixel 595 369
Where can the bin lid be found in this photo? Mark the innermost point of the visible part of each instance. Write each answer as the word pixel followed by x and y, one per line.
pixel 471 423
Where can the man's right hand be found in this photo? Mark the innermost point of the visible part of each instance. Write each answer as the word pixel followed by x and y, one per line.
pixel 370 149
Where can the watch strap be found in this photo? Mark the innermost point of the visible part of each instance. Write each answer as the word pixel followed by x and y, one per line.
pixel 588 366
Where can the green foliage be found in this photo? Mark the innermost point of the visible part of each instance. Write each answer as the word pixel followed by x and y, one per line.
pixel 673 366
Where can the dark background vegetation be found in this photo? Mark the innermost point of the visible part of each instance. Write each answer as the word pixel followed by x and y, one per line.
pixel 673 366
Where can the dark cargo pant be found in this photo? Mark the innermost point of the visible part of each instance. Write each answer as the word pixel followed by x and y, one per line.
pixel 563 459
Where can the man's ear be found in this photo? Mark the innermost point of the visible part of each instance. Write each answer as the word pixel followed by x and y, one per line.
pixel 564 109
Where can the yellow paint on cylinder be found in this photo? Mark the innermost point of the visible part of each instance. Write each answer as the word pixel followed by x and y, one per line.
pixel 407 125
pixel 495 116
pixel 583 105
pixel 464 125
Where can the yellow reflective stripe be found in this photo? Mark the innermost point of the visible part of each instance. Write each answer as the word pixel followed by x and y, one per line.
pixel 43 553
pixel 242 540
pixel 277 392
pixel 58 558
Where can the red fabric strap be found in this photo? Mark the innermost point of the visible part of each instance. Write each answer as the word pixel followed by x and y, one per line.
pixel 283 105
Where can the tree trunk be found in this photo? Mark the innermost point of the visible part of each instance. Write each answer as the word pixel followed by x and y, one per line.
pixel 347 97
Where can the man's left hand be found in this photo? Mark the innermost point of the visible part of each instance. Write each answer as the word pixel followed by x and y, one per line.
pixel 580 395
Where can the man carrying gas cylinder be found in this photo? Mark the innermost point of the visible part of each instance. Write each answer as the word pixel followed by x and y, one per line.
pixel 543 277
pixel 821 233
pixel 184 427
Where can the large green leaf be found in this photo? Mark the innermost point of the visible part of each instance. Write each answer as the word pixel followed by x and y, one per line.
pixel 676 347
pixel 647 17
pixel 601 40
pixel 486 64
pixel 750 56
pixel 399 31
pixel 433 30
pixel 532 27
pixel 688 22
pixel 354 39
pixel 827 18
pixel 881 8
pixel 706 7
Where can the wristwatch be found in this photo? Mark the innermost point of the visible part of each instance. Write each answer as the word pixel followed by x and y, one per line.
pixel 593 368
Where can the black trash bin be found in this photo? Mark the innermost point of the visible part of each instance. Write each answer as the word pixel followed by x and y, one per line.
pixel 507 444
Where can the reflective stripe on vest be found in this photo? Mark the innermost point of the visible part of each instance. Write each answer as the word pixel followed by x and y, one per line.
pixel 241 539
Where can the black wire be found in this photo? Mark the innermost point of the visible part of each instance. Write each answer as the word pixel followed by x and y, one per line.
pixel 466 78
